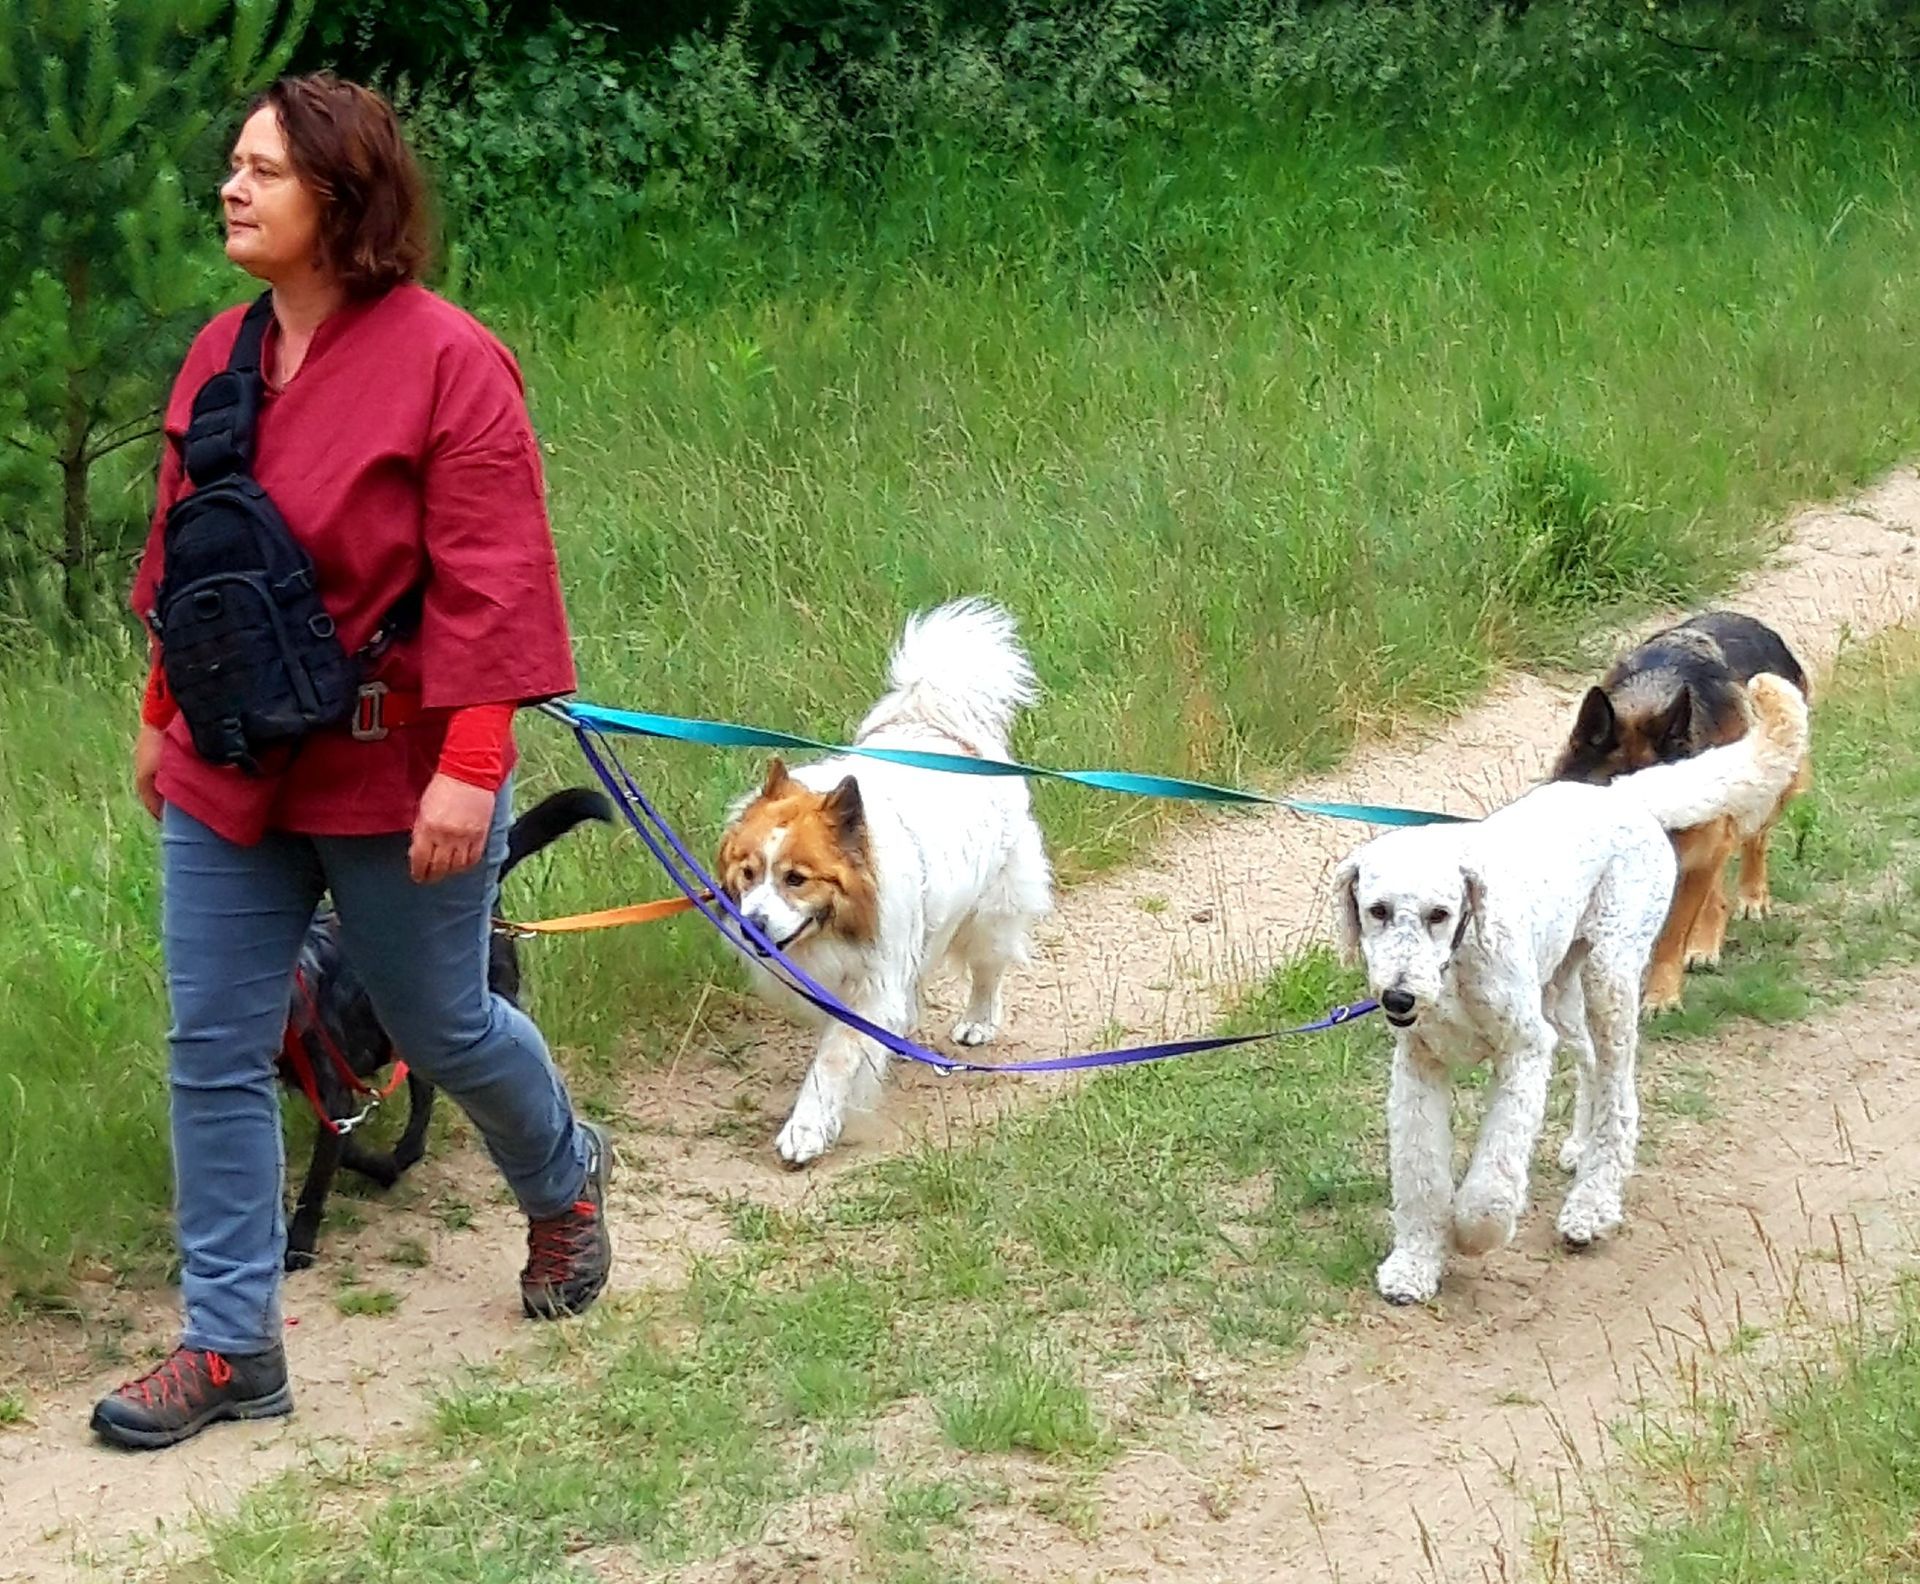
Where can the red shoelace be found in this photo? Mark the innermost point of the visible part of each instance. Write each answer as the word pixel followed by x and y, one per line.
pixel 176 1376
pixel 554 1244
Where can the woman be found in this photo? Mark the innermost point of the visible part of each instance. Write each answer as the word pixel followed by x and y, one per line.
pixel 393 438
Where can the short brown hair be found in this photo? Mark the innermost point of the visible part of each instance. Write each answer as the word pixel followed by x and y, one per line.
pixel 345 142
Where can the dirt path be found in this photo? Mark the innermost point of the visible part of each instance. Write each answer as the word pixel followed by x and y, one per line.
pixel 1431 1444
pixel 1230 897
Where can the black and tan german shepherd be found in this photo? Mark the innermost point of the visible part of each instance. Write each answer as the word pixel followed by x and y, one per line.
pixel 332 1011
pixel 1680 692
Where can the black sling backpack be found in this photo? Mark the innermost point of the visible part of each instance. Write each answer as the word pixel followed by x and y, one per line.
pixel 250 653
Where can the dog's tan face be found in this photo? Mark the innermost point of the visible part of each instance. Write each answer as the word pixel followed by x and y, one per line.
pixel 797 862
pixel 1614 737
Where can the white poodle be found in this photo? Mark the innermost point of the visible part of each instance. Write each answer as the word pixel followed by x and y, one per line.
pixel 1495 940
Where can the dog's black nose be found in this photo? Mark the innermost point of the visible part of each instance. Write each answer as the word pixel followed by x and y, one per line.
pixel 1397 1002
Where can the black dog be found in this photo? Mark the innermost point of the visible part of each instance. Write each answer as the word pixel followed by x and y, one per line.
pixel 332 1012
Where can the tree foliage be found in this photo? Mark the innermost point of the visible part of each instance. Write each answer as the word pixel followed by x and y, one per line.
pixel 425 38
pixel 111 114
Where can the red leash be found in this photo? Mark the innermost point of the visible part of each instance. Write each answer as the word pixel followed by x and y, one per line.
pixel 293 1051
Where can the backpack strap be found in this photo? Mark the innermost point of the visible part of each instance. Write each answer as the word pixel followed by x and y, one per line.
pixel 220 436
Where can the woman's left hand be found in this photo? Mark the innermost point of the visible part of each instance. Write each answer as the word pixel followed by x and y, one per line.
pixel 450 831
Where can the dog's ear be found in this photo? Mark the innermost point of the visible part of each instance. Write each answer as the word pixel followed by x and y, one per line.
pixel 1674 728
pixel 844 808
pixel 1595 727
pixel 777 777
pixel 1473 906
pixel 723 865
pixel 1346 910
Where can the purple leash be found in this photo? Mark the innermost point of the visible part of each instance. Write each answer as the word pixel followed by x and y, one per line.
pixel 700 889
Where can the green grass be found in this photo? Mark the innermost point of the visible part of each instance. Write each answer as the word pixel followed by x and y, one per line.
pixel 1026 1400
pixel 456 1215
pixel 1050 1293
pixel 916 1510
pixel 1265 423
pixel 1793 1474
pixel 1232 1191
pixel 411 1253
pixel 366 1301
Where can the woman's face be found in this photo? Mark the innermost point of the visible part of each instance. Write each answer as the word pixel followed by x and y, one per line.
pixel 273 217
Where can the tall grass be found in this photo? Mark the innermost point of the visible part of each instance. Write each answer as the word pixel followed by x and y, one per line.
pixel 1269 424
pixel 1800 1473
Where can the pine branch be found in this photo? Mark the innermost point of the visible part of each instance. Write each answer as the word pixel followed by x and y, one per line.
pixel 123 434
pixel 108 447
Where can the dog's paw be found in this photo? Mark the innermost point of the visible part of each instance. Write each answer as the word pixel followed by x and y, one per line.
pixel 1662 993
pixel 1754 907
pixel 1572 1151
pixel 299 1259
pixel 1485 1213
pixel 1405 1277
pixel 1588 1217
pixel 1480 1228
pixel 807 1137
pixel 969 1032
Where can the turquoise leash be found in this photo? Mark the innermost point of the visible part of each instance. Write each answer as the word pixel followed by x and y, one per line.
pixel 728 734
pixel 703 892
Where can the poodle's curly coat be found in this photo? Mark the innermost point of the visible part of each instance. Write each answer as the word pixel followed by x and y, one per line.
pixel 1501 939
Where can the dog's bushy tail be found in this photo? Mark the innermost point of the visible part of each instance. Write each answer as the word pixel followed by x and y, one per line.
pixel 962 668
pixel 550 819
pixel 1744 779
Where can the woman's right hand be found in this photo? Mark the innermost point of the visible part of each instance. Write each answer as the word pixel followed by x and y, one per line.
pixel 146 767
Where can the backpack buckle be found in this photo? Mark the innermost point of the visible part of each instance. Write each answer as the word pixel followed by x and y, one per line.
pixel 369 712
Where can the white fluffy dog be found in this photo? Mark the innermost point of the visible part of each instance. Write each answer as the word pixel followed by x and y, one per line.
pixel 1495 940
pixel 871 874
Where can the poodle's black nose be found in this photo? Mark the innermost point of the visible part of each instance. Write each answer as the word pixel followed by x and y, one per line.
pixel 1397 1002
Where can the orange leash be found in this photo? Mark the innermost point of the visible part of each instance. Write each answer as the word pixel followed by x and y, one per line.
pixel 606 918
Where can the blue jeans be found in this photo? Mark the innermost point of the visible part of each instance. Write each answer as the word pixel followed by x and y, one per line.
pixel 234 918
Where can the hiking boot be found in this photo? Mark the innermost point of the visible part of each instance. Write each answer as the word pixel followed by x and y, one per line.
pixel 569 1255
pixel 190 1390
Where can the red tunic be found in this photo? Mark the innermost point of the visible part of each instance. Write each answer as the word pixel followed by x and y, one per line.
pixel 401 450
